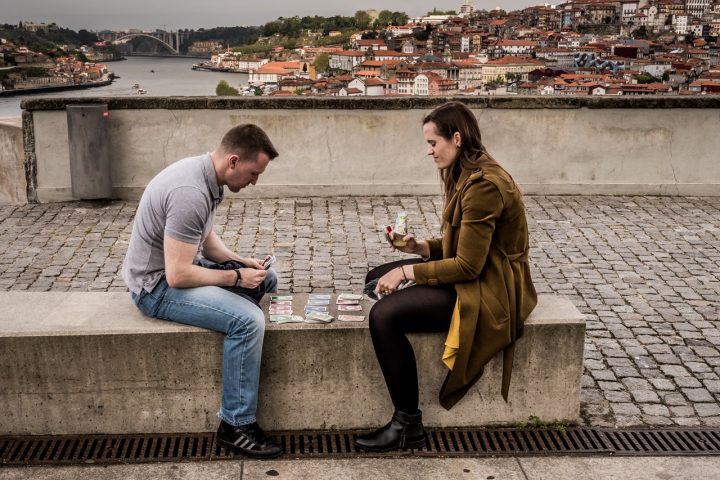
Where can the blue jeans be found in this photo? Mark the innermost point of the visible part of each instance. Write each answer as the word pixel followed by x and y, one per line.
pixel 243 324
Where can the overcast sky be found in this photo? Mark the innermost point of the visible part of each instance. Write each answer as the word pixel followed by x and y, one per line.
pixel 117 15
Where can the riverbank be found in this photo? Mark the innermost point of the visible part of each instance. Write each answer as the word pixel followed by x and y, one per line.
pixel 54 88
pixel 169 55
pixel 210 68
pixel 172 77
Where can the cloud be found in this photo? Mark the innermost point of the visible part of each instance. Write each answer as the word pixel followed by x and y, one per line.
pixel 77 14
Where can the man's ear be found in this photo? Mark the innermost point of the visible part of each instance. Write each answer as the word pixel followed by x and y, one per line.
pixel 233 160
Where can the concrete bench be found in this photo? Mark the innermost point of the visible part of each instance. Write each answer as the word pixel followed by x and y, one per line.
pixel 91 363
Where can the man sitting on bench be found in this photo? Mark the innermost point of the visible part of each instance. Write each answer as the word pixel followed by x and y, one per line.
pixel 168 278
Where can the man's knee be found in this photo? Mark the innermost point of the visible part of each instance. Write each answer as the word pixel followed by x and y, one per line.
pixel 271 281
pixel 250 322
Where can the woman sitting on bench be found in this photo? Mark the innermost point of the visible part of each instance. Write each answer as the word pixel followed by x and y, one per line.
pixel 473 283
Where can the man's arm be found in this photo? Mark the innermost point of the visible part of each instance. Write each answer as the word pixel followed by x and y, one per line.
pixel 181 273
pixel 215 249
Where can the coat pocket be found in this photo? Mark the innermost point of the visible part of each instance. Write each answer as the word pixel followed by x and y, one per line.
pixel 495 303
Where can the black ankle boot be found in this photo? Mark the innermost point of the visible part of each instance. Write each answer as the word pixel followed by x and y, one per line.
pixel 404 431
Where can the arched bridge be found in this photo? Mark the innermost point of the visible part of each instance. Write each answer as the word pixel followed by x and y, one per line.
pixel 170 40
pixel 130 36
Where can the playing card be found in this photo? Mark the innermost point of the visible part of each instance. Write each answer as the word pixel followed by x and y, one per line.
pixel 280 302
pixel 280 307
pixel 318 301
pixel 351 318
pixel 286 319
pixel 315 308
pixel 349 296
pixel 286 311
pixel 281 297
pixel 340 301
pixel 318 317
pixel 349 308
pixel 319 296
pixel 269 261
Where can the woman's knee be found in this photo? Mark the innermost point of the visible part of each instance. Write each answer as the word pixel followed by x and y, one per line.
pixel 379 319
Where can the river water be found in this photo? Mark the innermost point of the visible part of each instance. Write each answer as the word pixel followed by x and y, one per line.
pixel 161 77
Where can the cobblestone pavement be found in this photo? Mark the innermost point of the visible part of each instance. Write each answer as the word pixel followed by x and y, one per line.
pixel 644 270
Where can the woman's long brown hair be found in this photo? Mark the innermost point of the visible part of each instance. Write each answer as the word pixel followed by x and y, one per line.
pixel 453 117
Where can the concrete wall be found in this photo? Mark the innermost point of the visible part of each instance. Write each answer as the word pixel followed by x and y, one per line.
pixel 361 146
pixel 12 172
pixel 90 362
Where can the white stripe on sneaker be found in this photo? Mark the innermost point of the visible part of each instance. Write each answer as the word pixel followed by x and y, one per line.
pixel 247 444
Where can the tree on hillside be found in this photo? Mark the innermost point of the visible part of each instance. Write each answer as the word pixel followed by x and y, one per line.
pixel 641 32
pixel 399 18
pixel 421 35
pixel 435 11
pixel 224 89
pixel 646 78
pixel 87 38
pixel 384 18
pixel 322 62
pixel 362 19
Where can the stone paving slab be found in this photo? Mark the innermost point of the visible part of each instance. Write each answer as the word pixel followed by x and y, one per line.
pixel 501 468
pixel 645 271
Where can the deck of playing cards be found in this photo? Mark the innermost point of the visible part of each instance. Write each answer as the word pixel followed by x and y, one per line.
pixel 280 305
pixel 318 317
pixel 348 302
pixel 268 261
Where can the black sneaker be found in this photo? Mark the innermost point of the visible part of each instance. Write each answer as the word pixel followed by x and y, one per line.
pixel 247 439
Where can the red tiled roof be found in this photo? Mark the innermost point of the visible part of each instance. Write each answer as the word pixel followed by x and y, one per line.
pixel 372 82
pixel 370 42
pixel 350 53
pixel 516 43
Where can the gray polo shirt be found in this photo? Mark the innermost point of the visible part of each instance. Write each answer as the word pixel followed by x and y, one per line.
pixel 179 202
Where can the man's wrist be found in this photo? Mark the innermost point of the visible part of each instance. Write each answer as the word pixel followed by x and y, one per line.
pixel 238 277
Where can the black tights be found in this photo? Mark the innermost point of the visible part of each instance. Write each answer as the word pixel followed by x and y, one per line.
pixel 419 308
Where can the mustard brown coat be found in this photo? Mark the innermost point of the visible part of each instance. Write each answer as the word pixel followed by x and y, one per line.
pixel 484 253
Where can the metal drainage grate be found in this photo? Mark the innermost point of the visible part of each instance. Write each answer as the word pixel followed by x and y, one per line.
pixel 68 450
pixel 446 442
pixel 665 442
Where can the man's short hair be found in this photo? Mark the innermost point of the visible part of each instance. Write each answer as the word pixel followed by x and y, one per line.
pixel 247 141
